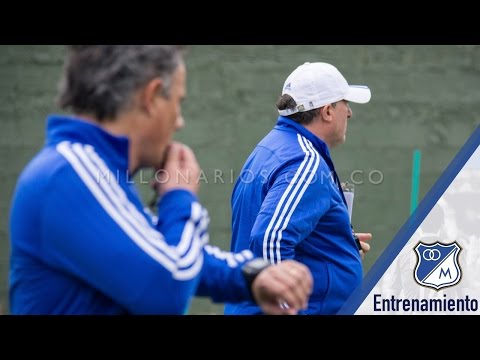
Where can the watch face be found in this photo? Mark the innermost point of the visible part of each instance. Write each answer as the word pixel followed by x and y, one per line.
pixel 257 264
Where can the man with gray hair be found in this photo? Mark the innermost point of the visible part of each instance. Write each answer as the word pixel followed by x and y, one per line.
pixel 81 241
pixel 293 206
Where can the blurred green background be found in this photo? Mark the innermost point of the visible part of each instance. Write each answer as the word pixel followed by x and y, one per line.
pixel 423 97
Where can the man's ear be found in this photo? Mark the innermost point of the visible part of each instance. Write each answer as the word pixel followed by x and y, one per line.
pixel 149 95
pixel 326 113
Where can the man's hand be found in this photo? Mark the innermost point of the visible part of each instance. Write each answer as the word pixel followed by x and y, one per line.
pixel 180 170
pixel 364 237
pixel 283 289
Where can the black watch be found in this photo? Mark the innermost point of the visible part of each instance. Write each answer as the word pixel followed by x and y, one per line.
pixel 252 268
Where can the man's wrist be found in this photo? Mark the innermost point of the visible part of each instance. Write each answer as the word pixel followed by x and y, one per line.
pixel 251 269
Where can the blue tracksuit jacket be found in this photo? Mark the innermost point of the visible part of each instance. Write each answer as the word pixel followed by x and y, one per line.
pixel 286 205
pixel 81 242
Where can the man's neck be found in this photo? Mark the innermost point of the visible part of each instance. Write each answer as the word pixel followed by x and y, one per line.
pixel 315 128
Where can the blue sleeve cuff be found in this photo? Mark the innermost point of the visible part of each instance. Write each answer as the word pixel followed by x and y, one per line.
pixel 177 197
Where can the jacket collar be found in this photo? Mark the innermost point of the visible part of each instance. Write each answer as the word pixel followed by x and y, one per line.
pixel 318 143
pixel 69 128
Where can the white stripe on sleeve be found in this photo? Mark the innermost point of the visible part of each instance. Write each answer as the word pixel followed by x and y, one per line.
pixel 299 197
pixel 288 196
pixel 115 203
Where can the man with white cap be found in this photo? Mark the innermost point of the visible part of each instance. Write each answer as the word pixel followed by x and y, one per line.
pixel 288 202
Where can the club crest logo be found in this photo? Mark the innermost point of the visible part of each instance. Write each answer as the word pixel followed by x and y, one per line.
pixel 437 265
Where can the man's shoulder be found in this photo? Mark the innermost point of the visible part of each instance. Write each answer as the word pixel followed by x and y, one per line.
pixel 289 151
pixel 286 145
pixel 44 164
pixel 43 167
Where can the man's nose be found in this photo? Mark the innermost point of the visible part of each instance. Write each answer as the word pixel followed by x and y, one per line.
pixel 180 123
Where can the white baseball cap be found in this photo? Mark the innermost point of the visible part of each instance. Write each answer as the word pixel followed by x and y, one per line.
pixel 313 85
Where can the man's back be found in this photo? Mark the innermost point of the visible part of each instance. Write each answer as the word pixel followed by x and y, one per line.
pixel 285 204
pixel 88 247
pixel 36 287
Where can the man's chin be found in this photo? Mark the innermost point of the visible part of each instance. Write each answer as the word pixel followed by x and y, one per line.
pixel 339 142
pixel 163 151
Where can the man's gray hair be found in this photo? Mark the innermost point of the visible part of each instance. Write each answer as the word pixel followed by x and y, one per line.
pixel 101 80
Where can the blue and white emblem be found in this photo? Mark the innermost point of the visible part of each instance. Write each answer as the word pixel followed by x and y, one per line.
pixel 437 264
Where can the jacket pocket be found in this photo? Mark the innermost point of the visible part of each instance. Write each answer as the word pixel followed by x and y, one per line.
pixel 321 287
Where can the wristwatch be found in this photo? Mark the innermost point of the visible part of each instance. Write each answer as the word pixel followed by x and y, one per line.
pixel 251 269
